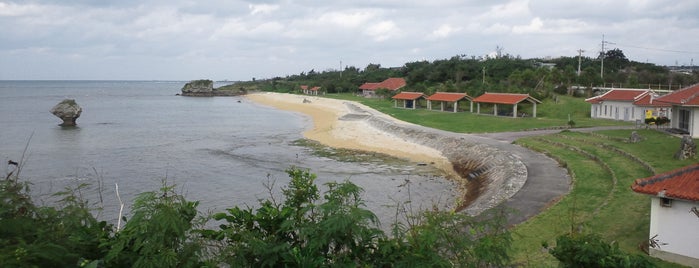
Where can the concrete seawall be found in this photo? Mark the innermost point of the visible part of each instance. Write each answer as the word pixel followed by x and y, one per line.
pixel 490 174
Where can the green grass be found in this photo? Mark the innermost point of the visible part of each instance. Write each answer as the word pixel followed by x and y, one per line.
pixel 550 114
pixel 601 200
pixel 614 212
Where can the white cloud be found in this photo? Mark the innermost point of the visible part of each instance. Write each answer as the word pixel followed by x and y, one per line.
pixel 444 31
pixel 383 30
pixel 262 8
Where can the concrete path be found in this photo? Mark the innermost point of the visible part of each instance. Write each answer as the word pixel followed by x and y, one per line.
pixel 546 182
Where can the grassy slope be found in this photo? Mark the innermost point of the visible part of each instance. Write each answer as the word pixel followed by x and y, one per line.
pixel 601 200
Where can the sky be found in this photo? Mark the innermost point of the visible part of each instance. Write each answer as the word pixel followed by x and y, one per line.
pixel 240 40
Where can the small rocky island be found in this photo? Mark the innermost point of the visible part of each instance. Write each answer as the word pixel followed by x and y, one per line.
pixel 68 111
pixel 205 88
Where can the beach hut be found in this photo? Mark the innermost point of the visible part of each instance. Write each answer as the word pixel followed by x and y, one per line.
pixel 448 100
pixel 410 100
pixel 513 99
pixel 392 84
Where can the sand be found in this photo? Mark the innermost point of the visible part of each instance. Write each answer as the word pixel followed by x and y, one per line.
pixel 330 130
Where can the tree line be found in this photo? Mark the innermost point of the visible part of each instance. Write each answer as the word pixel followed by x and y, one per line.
pixel 540 78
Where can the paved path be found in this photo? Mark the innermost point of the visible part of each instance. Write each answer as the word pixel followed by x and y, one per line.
pixel 546 182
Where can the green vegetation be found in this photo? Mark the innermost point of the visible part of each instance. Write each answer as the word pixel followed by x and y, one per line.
pixel 300 230
pixel 552 113
pixel 503 73
pixel 601 203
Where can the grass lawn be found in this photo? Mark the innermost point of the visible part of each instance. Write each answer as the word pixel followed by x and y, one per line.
pixel 601 201
pixel 550 114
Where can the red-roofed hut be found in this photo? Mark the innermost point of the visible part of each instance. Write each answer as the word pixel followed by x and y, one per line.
pixel 512 99
pixel 409 100
pixel 449 101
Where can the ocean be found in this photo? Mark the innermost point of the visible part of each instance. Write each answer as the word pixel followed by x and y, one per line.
pixel 221 151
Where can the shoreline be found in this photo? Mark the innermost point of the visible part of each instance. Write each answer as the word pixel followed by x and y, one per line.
pixel 336 124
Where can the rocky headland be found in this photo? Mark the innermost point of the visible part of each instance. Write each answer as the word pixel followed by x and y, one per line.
pixel 205 88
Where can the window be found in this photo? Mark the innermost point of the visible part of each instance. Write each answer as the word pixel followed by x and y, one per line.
pixel 665 202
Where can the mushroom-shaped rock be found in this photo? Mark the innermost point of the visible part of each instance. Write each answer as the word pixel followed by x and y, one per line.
pixel 68 111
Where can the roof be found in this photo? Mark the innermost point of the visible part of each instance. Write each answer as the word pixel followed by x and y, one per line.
pixel 682 183
pixel 504 98
pixel 649 100
pixel 304 87
pixel 408 96
pixel 686 96
pixel 447 96
pixel 369 86
pixel 390 84
pixel 315 88
pixel 619 95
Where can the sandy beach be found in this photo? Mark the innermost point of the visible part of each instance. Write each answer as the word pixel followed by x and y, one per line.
pixel 329 128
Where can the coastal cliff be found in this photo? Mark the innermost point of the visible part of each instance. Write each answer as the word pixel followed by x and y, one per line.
pixel 205 88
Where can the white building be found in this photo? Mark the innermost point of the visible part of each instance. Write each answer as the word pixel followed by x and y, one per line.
pixel 674 214
pixel 626 105
pixel 685 104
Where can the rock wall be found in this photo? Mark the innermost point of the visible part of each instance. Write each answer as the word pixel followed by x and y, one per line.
pixel 491 175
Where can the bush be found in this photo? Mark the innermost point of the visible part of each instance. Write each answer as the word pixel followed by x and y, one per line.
pixel 589 250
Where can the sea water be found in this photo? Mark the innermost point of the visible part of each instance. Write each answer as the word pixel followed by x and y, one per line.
pixel 221 151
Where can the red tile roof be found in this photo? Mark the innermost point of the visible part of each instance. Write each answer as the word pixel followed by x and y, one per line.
pixel 649 100
pixel 447 96
pixel 504 98
pixel 686 96
pixel 390 84
pixel 408 96
pixel 682 183
pixel 315 88
pixel 369 86
pixel 304 87
pixel 619 95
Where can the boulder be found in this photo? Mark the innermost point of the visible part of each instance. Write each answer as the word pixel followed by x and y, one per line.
pixel 68 111
pixel 201 87
pixel 635 138
pixel 688 149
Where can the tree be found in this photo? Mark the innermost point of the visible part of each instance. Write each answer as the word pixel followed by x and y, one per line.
pixel 589 250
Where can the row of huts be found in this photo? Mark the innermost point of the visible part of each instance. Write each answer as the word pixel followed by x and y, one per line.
pixel 505 104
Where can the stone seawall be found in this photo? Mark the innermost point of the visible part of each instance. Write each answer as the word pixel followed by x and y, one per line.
pixel 490 175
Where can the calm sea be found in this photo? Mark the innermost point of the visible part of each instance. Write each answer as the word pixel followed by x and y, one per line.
pixel 220 151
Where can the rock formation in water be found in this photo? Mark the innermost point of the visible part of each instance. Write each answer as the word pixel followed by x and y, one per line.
pixel 205 88
pixel 68 111
pixel 201 87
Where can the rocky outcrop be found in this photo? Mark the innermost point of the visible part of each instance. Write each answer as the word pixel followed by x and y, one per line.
pixel 205 88
pixel 688 149
pixel 68 111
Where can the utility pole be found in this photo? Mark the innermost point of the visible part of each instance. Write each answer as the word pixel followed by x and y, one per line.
pixel 601 71
pixel 580 51
pixel 483 74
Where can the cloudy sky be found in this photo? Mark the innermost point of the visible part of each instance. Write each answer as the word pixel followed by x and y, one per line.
pixel 241 40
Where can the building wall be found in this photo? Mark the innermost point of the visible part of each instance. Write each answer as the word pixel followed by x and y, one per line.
pixel 617 110
pixel 678 227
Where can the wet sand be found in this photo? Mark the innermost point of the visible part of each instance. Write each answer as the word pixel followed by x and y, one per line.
pixel 333 126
